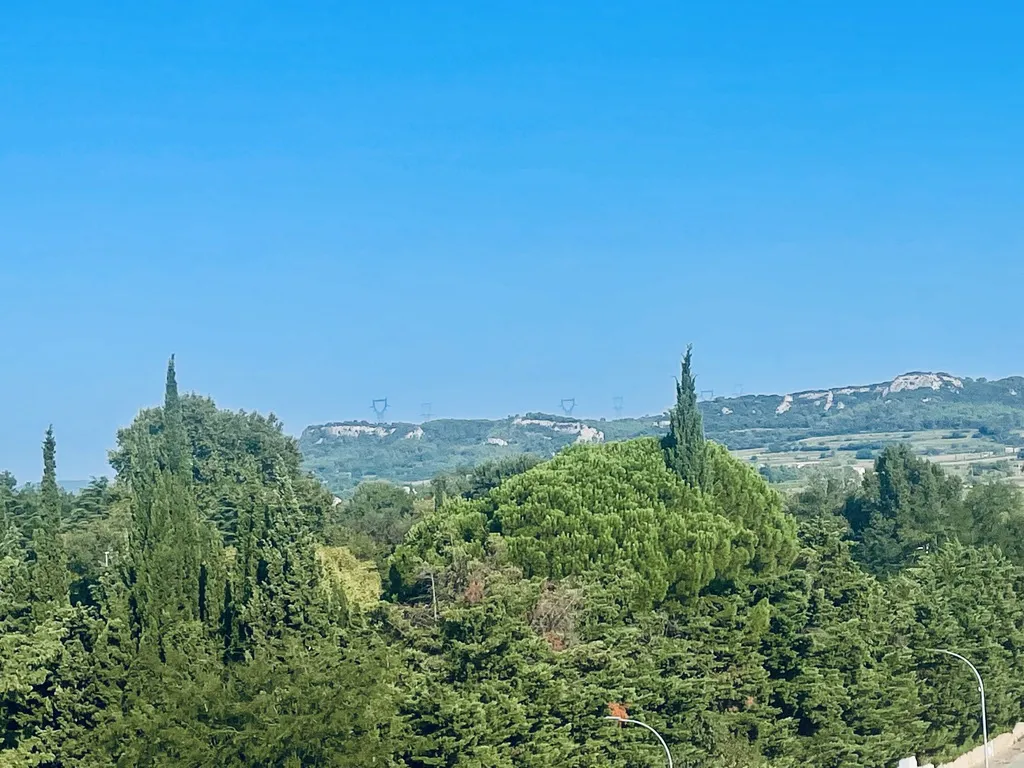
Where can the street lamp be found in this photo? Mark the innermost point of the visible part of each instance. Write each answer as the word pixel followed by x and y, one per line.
pixel 981 687
pixel 645 725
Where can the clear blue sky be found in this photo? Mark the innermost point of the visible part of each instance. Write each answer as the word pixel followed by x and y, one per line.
pixel 491 206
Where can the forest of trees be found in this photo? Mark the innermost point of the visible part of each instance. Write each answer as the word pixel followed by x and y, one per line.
pixel 196 610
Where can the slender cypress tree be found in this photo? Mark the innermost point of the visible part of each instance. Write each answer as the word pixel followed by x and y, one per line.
pixel 50 569
pixel 50 574
pixel 48 488
pixel 169 548
pixel 174 429
pixel 684 443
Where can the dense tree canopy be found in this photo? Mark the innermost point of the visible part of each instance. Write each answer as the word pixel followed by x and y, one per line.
pixel 201 608
pixel 227 448
pixel 181 651
pixel 618 508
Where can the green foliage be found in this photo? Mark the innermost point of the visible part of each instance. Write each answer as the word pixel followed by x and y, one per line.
pixel 95 520
pixel 171 550
pixel 294 703
pixel 49 571
pixel 276 586
pixel 381 510
pixel 476 482
pixel 358 580
pixel 845 684
pixel 907 506
pixel 996 518
pixel 684 443
pixel 491 474
pixel 966 600
pixel 208 624
pixel 780 474
pixel 744 499
pixel 611 508
pixel 826 494
pixel 228 449
pixel 345 455
pixel 178 650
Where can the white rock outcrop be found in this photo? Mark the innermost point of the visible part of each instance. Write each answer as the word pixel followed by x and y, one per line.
pixel 911 381
pixel 356 430
pixel 584 432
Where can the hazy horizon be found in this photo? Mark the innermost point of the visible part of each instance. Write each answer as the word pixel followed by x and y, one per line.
pixel 580 412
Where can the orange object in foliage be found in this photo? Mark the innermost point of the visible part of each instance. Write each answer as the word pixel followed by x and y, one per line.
pixel 616 709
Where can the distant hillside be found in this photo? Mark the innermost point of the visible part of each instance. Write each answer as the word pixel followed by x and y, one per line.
pixel 344 453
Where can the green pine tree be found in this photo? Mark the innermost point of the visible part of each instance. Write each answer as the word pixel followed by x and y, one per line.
pixel 174 429
pixel 10 535
pixel 907 506
pixel 277 586
pixel 684 443
pixel 49 572
pixel 168 567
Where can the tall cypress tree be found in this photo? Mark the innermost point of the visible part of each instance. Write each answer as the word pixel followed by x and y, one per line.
pixel 684 443
pixel 169 549
pixel 50 574
pixel 174 429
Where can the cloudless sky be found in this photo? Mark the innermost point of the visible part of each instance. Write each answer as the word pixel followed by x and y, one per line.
pixel 491 206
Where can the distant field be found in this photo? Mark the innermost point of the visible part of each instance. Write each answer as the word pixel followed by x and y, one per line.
pixel 972 458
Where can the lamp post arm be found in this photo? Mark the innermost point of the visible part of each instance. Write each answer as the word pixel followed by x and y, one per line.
pixel 981 688
pixel 657 735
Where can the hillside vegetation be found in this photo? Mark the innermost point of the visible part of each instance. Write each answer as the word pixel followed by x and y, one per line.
pixel 344 453
pixel 214 606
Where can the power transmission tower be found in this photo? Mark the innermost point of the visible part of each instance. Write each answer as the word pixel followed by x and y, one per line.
pixel 617 405
pixel 707 394
pixel 380 406
pixel 426 411
pixel 568 405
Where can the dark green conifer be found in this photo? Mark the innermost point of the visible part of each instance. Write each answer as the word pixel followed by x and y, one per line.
pixel 174 430
pixel 10 535
pixel 684 443
pixel 170 548
pixel 49 573
pixel 277 583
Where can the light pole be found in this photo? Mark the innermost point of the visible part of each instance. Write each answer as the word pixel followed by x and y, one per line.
pixel 981 688
pixel 645 725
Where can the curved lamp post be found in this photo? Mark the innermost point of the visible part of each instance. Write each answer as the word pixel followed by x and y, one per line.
pixel 981 688
pixel 668 754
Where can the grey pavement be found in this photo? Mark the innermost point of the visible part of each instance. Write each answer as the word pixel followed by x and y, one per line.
pixel 1013 760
